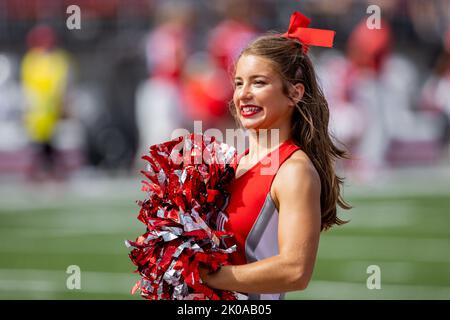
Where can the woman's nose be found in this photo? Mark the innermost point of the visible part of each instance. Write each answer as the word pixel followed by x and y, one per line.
pixel 245 93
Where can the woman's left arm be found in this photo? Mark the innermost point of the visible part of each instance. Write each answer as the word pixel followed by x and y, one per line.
pixel 298 193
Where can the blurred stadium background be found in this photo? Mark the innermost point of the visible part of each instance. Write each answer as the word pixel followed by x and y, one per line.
pixel 78 107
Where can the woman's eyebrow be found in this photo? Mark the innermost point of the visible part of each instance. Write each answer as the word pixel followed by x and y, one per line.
pixel 253 76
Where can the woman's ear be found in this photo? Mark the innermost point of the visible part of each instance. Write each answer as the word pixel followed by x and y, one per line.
pixel 297 92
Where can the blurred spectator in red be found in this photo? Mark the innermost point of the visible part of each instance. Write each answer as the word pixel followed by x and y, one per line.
pixel 351 84
pixel 368 51
pixel 158 105
pixel 372 95
pixel 208 86
pixel 167 45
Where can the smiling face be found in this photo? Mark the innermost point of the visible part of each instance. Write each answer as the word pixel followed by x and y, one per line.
pixel 258 95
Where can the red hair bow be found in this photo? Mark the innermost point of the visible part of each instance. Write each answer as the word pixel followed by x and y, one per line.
pixel 308 36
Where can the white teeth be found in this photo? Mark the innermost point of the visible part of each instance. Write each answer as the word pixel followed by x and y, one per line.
pixel 251 109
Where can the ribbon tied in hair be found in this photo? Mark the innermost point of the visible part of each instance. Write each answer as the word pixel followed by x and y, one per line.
pixel 298 29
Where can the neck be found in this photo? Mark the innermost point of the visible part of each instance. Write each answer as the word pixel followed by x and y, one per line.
pixel 263 141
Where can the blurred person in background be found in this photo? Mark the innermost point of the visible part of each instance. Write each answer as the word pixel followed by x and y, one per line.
pixel 347 118
pixel 429 19
pixel 435 98
pixel 158 102
pixel 45 76
pixel 352 82
pixel 373 92
pixel 207 86
pixel 13 138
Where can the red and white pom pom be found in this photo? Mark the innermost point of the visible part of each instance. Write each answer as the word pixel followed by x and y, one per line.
pixel 185 184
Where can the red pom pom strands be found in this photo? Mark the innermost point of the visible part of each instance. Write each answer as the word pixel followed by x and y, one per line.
pixel 186 197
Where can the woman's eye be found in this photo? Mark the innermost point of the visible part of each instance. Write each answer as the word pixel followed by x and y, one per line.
pixel 257 82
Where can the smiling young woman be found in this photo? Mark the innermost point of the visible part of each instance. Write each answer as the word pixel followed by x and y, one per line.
pixel 277 215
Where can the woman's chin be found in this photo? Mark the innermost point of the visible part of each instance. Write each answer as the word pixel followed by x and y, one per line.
pixel 248 123
pixel 251 125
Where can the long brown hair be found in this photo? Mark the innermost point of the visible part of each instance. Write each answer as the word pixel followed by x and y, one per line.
pixel 309 122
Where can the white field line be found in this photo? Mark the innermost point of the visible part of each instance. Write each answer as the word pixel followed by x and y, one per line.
pixel 336 290
pixel 412 190
pixel 55 281
pixel 95 249
pixel 385 214
pixel 68 207
pixel 355 247
pixel 394 272
pixel 44 233
pixel 48 281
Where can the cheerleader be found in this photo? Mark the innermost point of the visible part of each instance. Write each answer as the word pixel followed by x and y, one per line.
pixel 286 190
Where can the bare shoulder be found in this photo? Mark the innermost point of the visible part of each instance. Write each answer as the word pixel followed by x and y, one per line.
pixel 297 173
pixel 298 167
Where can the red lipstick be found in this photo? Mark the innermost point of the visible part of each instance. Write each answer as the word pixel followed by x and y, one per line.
pixel 249 110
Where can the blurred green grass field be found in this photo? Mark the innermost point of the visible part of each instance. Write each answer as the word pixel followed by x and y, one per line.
pixel 45 229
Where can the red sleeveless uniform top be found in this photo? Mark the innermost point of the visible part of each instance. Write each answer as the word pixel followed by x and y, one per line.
pixel 253 216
